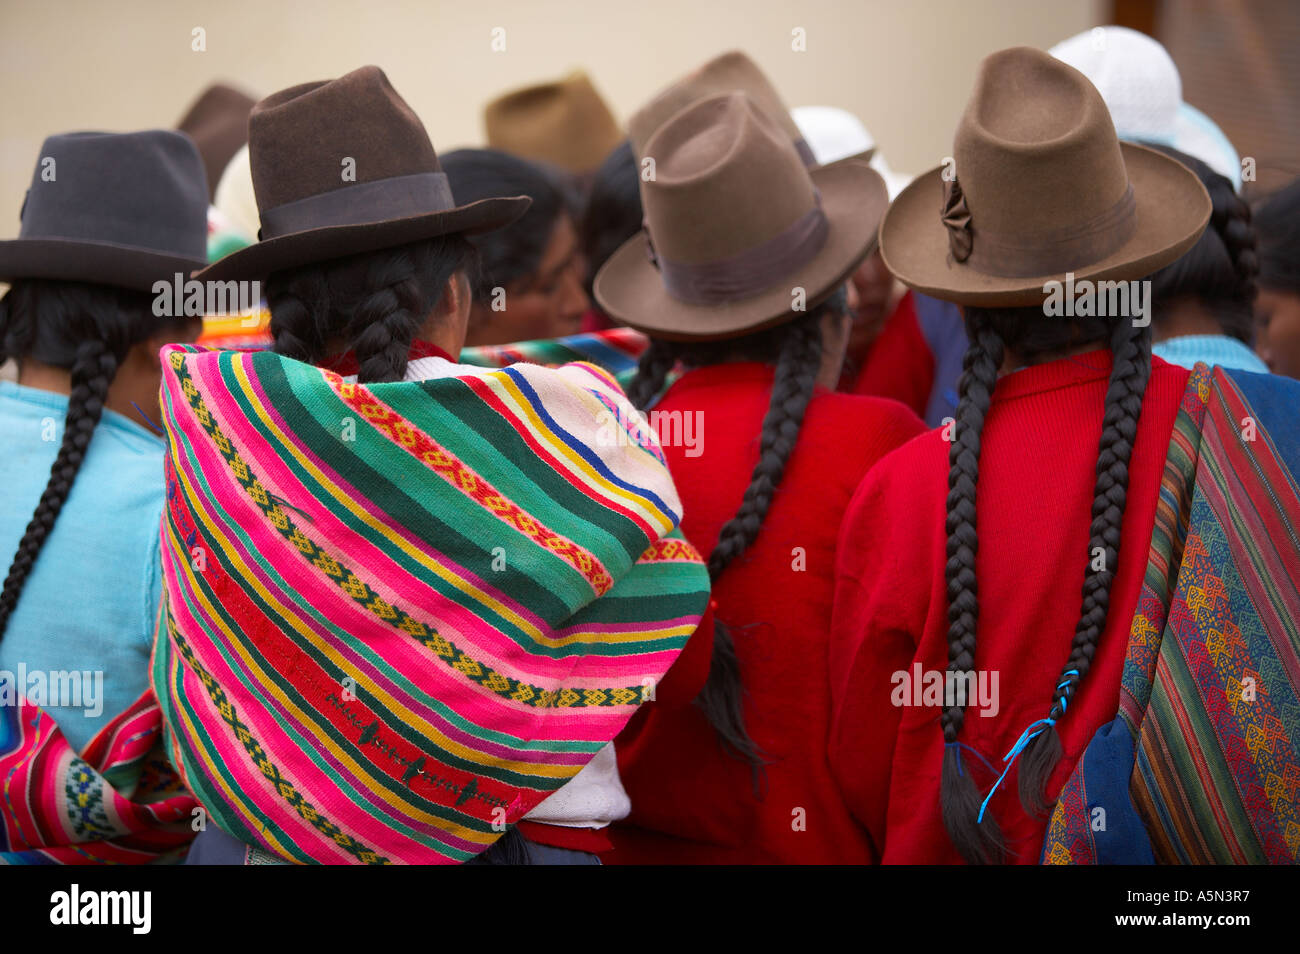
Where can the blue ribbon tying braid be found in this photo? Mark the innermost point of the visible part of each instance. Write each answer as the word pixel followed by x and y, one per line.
pixel 1030 733
pixel 962 745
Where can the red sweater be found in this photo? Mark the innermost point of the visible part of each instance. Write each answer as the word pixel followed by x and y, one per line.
pixel 900 364
pixel 1034 498
pixel 692 803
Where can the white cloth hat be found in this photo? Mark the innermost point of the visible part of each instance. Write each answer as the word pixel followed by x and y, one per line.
pixel 234 197
pixel 833 134
pixel 1139 81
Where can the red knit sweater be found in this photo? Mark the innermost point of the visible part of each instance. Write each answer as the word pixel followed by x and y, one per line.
pixel 900 364
pixel 691 803
pixel 1037 467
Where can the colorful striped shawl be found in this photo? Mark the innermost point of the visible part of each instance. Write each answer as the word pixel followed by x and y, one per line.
pixel 1202 763
pixel 614 349
pixel 118 802
pixel 400 615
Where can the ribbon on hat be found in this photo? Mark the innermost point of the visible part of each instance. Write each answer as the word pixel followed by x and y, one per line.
pixel 1041 253
pixel 749 272
pixel 805 152
pixel 956 219
pixel 396 197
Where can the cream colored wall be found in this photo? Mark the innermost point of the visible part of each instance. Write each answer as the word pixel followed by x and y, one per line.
pixel 903 66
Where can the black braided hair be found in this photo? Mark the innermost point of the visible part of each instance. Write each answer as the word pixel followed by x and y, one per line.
pixel 88 330
pixel 510 849
pixel 373 304
pixel 1277 223
pixel 991 331
pixel 652 369
pixel 1221 269
pixel 513 254
pixel 613 211
pixel 1131 347
pixel 796 349
pixel 959 799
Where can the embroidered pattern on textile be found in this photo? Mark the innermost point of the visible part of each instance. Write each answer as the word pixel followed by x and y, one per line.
pixel 451 469
pixel 286 790
pixel 1209 695
pixel 362 593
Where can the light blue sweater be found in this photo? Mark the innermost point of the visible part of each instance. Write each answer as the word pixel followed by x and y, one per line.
pixel 1221 350
pixel 90 602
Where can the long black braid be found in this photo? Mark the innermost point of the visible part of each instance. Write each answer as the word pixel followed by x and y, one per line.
pixel 1221 269
pixel 796 349
pixel 959 798
pixel 1026 330
pixel 88 330
pixel 510 849
pixel 1131 348
pixel 373 304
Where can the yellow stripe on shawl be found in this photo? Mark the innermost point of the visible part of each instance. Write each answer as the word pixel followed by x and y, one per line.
pixel 460 583
pixel 299 626
pixel 508 391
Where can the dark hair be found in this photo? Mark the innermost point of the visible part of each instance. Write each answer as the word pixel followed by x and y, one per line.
pixel 1277 222
pixel 510 849
pixel 613 213
pixel 991 330
pixel 796 349
pixel 1220 269
pixel 513 253
pixel 87 330
pixel 373 304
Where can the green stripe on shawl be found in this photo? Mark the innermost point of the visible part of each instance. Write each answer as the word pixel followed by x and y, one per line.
pixel 399 680
pixel 419 521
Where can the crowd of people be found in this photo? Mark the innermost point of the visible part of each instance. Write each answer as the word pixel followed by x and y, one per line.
pixel 700 491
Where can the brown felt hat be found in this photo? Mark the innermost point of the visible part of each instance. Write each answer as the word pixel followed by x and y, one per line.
pixel 723 74
pixel 565 123
pixel 739 232
pixel 305 146
pixel 1042 187
pixel 218 123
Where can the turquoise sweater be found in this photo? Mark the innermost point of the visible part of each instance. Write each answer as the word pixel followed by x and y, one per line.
pixel 1219 350
pixel 84 623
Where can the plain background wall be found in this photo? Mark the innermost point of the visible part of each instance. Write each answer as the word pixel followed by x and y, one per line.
pixel 905 67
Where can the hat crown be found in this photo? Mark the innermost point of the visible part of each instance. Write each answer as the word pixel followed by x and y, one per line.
pixel 729 72
pixel 146 190
pixel 564 123
pixel 727 179
pixel 304 140
pixel 1134 74
pixel 1035 150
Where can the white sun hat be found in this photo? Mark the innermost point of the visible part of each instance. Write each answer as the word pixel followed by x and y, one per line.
pixel 834 134
pixel 1139 81
pixel 234 196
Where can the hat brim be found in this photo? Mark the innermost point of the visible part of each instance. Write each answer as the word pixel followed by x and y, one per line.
pixel 854 198
pixel 336 241
pixel 865 155
pixel 100 263
pixel 1172 209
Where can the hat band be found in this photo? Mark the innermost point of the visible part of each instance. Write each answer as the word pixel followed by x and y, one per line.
pixel 399 197
pixel 749 272
pixel 1058 251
